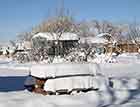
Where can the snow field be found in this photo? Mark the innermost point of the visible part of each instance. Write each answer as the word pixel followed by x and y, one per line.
pixel 124 77
pixel 89 99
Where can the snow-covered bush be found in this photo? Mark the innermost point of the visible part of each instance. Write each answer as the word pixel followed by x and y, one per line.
pixel 22 57
pixel 80 55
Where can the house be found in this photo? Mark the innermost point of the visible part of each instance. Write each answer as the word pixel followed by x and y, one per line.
pixel 57 44
pixel 100 42
pixel 128 46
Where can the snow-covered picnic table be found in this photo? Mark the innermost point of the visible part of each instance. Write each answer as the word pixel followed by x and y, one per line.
pixel 66 75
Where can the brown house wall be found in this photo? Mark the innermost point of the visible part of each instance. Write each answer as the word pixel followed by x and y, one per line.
pixel 124 48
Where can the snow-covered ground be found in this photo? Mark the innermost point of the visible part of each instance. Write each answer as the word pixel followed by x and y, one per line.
pixel 123 91
pixel 104 98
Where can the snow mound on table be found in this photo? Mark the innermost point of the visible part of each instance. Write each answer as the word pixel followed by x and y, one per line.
pixel 60 69
pixel 101 82
pixel 69 83
pixel 66 75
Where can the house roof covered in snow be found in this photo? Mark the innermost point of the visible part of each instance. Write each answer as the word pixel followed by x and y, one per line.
pixel 101 38
pixel 94 40
pixel 103 34
pixel 54 36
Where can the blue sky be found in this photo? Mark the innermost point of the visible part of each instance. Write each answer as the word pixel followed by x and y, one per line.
pixel 21 15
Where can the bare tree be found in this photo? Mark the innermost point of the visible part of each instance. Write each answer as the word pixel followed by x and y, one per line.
pixel 12 43
pixel 25 36
pixel 134 33
pixel 86 29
